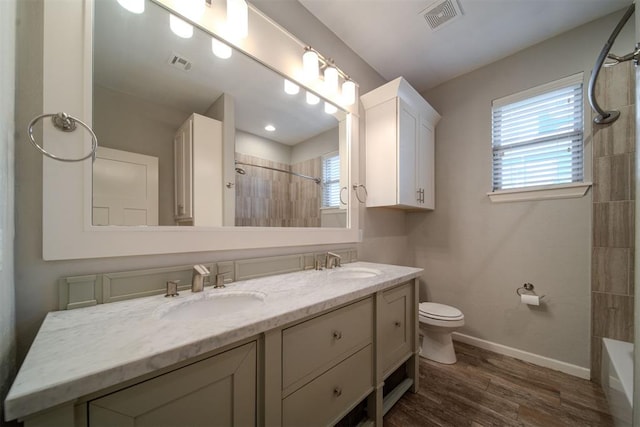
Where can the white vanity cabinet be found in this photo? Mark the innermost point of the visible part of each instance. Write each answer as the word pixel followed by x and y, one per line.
pixel 400 138
pixel 198 172
pixel 220 390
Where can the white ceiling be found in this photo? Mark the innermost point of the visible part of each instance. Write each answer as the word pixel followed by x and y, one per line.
pixel 394 38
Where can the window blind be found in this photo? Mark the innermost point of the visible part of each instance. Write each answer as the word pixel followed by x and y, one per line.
pixel 537 136
pixel 331 180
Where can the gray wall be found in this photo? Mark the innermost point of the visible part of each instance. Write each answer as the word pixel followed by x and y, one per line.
pixel 257 146
pixel 476 253
pixel 35 279
pixel 129 123
pixel 384 230
pixel 7 111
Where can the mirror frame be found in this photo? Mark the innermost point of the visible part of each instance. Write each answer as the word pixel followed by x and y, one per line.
pixel 66 191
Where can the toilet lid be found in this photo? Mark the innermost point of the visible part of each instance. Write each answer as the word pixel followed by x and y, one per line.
pixel 439 311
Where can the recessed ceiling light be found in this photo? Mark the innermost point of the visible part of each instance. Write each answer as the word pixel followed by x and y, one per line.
pixel 269 128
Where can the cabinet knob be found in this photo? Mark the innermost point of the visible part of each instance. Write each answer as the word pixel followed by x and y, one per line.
pixel 398 324
pixel 337 335
pixel 337 391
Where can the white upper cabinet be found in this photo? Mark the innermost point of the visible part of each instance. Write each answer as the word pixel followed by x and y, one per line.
pixel 400 136
pixel 198 172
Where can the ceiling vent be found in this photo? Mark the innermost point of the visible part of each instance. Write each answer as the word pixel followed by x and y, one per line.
pixel 180 62
pixel 441 12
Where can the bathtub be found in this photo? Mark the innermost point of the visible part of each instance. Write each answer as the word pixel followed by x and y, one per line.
pixel 617 379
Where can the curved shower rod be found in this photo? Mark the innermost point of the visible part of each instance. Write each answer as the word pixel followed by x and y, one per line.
pixel 605 117
pixel 241 171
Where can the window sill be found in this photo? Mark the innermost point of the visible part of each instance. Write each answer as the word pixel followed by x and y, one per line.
pixel 546 192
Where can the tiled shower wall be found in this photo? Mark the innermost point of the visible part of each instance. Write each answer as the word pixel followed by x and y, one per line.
pixel 613 213
pixel 266 198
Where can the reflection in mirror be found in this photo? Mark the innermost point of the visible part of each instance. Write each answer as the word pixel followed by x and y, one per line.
pixel 192 136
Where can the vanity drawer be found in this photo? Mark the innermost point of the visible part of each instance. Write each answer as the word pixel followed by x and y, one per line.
pixel 330 395
pixel 314 346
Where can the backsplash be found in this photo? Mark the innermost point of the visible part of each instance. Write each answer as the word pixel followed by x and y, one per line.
pixel 613 214
pixel 101 288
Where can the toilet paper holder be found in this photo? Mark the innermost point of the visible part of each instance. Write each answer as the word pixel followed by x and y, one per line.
pixel 525 289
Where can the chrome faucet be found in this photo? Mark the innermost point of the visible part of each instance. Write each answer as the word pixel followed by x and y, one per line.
pixel 332 260
pixel 197 280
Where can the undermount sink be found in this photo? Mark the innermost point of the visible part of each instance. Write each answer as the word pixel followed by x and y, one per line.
pixel 354 273
pixel 209 304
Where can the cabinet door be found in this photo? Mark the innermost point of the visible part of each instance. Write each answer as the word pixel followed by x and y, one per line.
pixel 183 169
pixel 425 166
pixel 219 391
pixel 396 326
pixel 408 136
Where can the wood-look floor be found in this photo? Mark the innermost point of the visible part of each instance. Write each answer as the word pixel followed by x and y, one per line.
pixel 488 389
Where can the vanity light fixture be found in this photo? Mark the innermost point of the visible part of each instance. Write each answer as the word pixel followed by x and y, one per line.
pixel 237 19
pixel 313 62
pixel 133 6
pixel 349 92
pixel 192 9
pixel 220 49
pixel 312 99
pixel 310 64
pixel 290 87
pixel 180 28
pixel 331 78
pixel 330 108
pixel 270 128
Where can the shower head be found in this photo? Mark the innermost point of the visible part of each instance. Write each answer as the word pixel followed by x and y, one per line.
pixel 241 171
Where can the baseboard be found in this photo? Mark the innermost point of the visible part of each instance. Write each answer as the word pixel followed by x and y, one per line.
pixel 536 359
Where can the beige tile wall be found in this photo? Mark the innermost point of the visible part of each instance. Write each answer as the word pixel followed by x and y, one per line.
pixel 613 214
pixel 266 198
pixel 306 195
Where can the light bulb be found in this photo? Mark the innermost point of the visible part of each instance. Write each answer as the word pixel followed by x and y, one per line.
pixel 331 79
pixel 330 108
pixel 192 9
pixel 270 128
pixel 219 49
pixel 238 19
pixel 312 99
pixel 310 65
pixel 133 6
pixel 349 92
pixel 180 28
pixel 290 87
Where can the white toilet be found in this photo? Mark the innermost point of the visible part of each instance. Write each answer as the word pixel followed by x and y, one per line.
pixel 437 321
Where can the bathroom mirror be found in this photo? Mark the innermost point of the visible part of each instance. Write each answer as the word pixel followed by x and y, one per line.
pixel 68 229
pixel 148 82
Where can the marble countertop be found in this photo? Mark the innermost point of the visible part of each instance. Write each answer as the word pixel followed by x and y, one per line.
pixel 82 351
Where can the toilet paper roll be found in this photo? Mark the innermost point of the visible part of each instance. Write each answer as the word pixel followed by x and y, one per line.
pixel 530 299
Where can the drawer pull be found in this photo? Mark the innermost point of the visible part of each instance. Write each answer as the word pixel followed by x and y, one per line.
pixel 337 335
pixel 337 391
pixel 398 324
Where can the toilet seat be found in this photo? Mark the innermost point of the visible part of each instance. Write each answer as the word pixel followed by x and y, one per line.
pixel 441 312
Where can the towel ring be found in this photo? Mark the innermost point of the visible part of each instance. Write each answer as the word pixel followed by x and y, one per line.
pixel 65 123
pixel 342 201
pixel 366 193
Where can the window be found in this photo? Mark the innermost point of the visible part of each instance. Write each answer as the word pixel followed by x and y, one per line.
pixel 537 136
pixel 331 180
